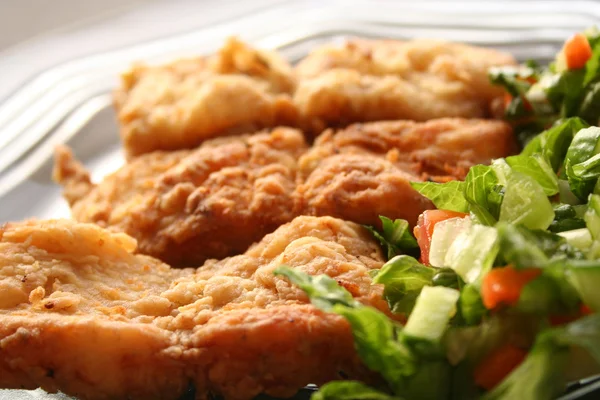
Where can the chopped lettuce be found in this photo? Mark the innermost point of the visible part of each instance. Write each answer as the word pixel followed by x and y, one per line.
pixel 582 162
pixel 483 192
pixel 444 235
pixel 445 196
pixel 553 143
pixel 536 167
pixel 539 97
pixel 350 390
pixel 395 237
pixel 526 203
pixel 526 248
pixel 541 375
pixel 403 277
pixel 434 308
pixel 470 305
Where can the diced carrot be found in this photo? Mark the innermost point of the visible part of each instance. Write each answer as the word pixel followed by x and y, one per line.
pixel 585 310
pixel 497 365
pixel 577 51
pixel 507 100
pixel 504 285
pixel 562 319
pixel 424 229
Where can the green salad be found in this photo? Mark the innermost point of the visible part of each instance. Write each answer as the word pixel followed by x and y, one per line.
pixel 496 292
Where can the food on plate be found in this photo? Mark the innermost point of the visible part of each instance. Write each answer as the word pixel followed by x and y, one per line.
pixel 502 302
pixel 359 188
pixel 369 80
pixel 179 105
pixel 364 171
pixel 187 206
pixel 444 148
pixel 81 314
pixel 474 276
pixel 241 89
pixel 537 96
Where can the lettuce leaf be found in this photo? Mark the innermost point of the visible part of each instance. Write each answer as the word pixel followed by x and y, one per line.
pixel 445 196
pixel 553 143
pixel 526 248
pixel 537 168
pixel 404 278
pixel 582 163
pixel 324 292
pixel 395 237
pixel 541 375
pixel 483 193
pixel 350 390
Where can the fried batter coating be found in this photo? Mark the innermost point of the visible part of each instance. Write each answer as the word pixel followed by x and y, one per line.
pixel 187 206
pixel 439 147
pixel 179 105
pixel 80 313
pixel 369 80
pixel 360 188
pixel 365 170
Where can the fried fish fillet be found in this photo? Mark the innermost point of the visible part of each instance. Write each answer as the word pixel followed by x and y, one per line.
pixel 368 80
pixel 178 105
pixel 187 206
pixel 365 170
pixel 439 147
pixel 80 313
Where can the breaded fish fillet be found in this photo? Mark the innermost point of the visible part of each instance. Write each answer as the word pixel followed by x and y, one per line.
pixel 187 206
pixel 360 188
pixel 365 170
pixel 178 105
pixel 368 80
pixel 439 147
pixel 81 314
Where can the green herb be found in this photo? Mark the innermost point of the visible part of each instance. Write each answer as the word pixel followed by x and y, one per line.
pixel 395 237
pixel 445 196
pixel 403 277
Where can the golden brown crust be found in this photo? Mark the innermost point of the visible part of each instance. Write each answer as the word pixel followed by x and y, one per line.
pixel 212 202
pixel 184 207
pixel 368 80
pixel 179 105
pixel 446 146
pixel 360 188
pixel 72 174
pixel 128 326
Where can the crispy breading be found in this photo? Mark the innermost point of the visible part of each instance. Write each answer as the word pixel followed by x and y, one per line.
pixel 368 80
pixel 178 105
pixel 80 313
pixel 187 206
pixel 360 188
pixel 446 146
pixel 364 171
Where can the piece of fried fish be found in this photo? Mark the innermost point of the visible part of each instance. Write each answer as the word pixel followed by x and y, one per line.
pixel 181 104
pixel 81 314
pixel 369 80
pixel 187 206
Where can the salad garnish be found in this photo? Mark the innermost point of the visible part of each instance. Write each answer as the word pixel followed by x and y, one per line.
pixel 537 97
